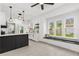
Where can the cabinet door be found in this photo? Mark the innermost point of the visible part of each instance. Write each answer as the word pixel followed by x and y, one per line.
pixel 21 40
pixel 4 44
pixel 10 42
pixel 0 44
pixel 25 39
pixel 18 41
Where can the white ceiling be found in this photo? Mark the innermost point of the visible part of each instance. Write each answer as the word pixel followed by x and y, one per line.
pixel 29 12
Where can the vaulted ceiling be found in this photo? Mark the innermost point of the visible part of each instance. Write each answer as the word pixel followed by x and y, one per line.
pixel 29 12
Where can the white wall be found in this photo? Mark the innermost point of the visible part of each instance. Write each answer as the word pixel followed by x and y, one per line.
pixel 42 19
pixel 71 8
pixel 2 18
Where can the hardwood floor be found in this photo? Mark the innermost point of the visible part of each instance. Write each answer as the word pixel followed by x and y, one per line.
pixel 39 49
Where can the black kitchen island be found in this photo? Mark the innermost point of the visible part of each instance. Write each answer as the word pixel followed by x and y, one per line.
pixel 10 42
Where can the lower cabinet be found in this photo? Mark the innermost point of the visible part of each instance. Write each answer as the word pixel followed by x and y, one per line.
pixel 21 40
pixel 1 45
pixel 12 42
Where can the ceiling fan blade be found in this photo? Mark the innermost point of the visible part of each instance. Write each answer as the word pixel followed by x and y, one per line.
pixel 34 4
pixel 42 7
pixel 49 3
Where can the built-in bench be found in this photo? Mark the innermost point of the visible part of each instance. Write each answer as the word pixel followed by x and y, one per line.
pixel 63 40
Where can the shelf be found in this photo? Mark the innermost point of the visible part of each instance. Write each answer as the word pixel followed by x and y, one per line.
pixel 3 26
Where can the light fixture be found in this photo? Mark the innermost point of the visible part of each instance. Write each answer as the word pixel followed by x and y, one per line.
pixel 42 5
pixel 10 13
pixel 23 15
pixel 19 16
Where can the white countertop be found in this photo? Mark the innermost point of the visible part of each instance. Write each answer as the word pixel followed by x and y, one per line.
pixel 13 34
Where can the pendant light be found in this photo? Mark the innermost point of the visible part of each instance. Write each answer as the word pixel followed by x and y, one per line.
pixel 10 13
pixel 19 16
pixel 23 15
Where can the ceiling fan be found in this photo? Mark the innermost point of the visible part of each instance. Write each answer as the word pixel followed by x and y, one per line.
pixel 42 5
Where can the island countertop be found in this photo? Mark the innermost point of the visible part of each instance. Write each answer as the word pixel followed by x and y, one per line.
pixel 13 41
pixel 12 34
